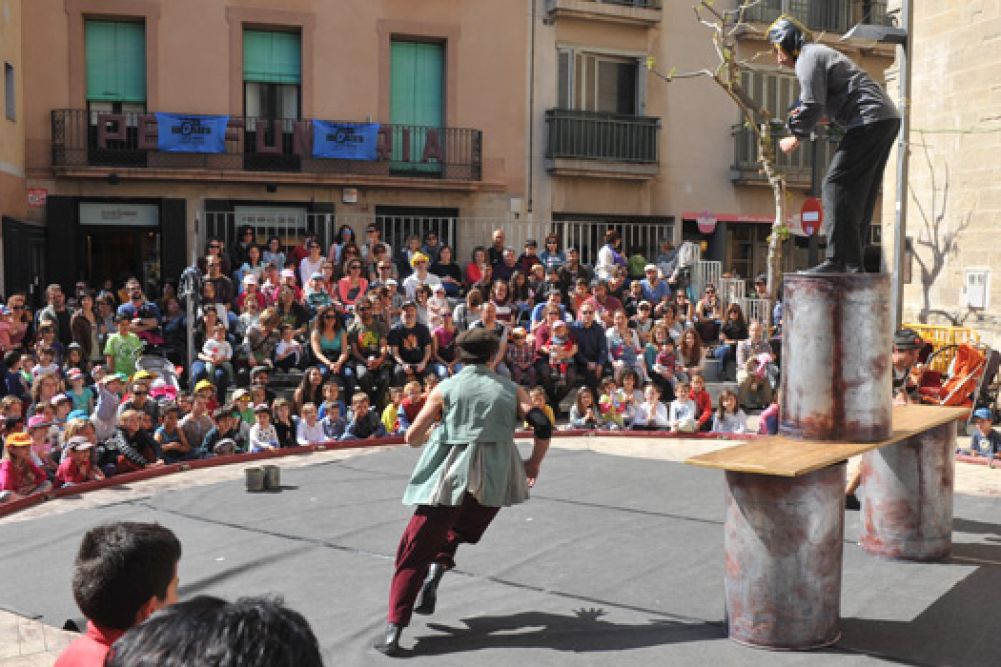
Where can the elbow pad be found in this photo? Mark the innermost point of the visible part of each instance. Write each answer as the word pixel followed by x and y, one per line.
pixel 540 423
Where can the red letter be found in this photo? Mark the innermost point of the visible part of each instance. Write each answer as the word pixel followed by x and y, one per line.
pixel 432 146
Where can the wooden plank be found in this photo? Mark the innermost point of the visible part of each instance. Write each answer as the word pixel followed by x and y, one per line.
pixel 782 456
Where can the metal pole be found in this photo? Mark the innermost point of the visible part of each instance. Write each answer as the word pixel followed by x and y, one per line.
pixel 900 213
pixel 813 255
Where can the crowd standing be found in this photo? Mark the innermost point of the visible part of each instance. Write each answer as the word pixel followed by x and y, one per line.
pixel 97 382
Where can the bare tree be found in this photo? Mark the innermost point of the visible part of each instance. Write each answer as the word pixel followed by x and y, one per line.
pixel 939 241
pixel 725 26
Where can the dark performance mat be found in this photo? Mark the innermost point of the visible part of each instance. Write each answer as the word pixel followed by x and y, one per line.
pixel 614 561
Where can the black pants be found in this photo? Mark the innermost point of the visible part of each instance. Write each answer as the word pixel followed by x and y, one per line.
pixel 851 186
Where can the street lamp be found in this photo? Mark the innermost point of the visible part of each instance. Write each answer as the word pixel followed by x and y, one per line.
pixel 902 37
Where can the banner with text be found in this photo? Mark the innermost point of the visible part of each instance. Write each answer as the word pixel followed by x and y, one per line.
pixel 177 133
pixel 345 141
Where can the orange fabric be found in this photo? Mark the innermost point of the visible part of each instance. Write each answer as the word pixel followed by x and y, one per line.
pixel 967 369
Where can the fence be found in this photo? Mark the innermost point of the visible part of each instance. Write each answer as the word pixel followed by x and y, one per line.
pixel 823 15
pixel 462 233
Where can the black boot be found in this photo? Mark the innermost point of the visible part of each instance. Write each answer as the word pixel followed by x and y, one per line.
pixel 827 266
pixel 429 592
pixel 389 644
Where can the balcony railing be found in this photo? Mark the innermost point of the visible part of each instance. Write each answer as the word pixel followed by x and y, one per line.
pixel 836 16
pixel 648 4
pixel 128 140
pixel 588 135
pixel 797 166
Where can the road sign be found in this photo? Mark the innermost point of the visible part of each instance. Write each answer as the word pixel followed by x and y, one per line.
pixel 811 215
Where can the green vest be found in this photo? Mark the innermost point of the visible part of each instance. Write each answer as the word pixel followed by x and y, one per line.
pixel 472 449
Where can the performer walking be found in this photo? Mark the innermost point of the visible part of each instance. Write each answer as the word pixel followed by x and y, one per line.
pixel 832 85
pixel 469 470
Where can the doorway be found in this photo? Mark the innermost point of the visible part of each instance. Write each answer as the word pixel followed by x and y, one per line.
pixel 24 260
pixel 114 254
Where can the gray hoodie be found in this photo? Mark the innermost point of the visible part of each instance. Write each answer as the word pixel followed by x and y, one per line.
pixel 832 85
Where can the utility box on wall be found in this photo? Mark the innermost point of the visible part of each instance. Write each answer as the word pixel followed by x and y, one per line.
pixel 976 288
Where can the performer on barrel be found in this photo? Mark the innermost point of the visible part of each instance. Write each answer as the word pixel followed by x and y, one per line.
pixel 469 470
pixel 831 85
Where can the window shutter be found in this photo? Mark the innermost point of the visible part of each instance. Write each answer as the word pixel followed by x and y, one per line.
pixel 563 74
pixel 116 61
pixel 272 57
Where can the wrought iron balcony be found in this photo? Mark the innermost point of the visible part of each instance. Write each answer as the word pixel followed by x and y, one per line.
pixel 636 12
pixel 609 141
pixel 129 140
pixel 797 166
pixel 836 16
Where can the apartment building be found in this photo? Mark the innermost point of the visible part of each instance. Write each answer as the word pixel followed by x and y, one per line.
pixel 531 116
pixel 615 144
pixel 433 92
pixel 13 197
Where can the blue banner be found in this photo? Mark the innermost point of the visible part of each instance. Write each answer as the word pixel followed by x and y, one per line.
pixel 345 141
pixel 177 133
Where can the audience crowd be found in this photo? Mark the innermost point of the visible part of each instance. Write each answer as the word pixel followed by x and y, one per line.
pixel 304 345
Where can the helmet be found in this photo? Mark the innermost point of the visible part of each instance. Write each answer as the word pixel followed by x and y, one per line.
pixel 789 34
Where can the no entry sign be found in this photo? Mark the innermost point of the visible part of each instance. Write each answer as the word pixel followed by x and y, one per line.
pixel 811 215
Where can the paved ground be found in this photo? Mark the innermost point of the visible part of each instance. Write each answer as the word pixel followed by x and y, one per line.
pixel 618 558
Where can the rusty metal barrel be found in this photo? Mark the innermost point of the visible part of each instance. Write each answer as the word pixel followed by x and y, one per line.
pixel 836 339
pixel 906 497
pixel 783 546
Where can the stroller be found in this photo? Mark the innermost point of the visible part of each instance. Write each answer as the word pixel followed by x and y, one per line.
pixel 153 359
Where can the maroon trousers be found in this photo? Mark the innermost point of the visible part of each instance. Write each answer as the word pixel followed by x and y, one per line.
pixel 432 536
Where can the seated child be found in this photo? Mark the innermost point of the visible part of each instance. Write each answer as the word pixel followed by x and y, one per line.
pixel 584 412
pixel 332 394
pixel 610 405
pixel 173 443
pixel 390 420
pixel 217 354
pixel 410 406
pixel 77 467
pixel 985 441
pixel 666 364
pixel 631 395
pixel 703 404
pixel 364 421
pixel 519 358
pixel 285 422
pixel 225 437
pixel 682 413
pixel 41 446
pixel 19 476
pixel 333 421
pixel 82 397
pixel 562 348
pixel 651 414
pixel 309 431
pixel 46 363
pixel 729 418
pixel 289 352
pixel 263 435
pixel 538 397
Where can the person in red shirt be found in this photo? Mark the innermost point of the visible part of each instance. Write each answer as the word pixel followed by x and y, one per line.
pixel 703 404
pixel 77 468
pixel 124 572
pixel 19 476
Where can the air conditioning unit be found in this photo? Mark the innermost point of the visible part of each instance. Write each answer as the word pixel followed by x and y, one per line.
pixel 977 288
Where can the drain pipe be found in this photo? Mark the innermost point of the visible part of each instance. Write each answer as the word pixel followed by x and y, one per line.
pixel 531 111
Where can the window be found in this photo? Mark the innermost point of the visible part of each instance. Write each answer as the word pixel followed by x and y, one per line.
pixel 9 100
pixel 116 62
pixel 272 74
pixel 598 82
pixel 775 91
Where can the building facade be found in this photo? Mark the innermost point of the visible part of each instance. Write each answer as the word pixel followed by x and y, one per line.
pixel 13 197
pixel 440 83
pixel 530 116
pixel 951 266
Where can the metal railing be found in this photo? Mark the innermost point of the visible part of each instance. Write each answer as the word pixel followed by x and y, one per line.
pixel 462 233
pixel 755 309
pixel 81 138
pixel 824 15
pixel 796 165
pixel 706 272
pixel 590 135
pixel 647 4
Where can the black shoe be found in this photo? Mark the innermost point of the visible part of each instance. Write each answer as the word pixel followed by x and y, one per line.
pixel 852 503
pixel 429 592
pixel 389 644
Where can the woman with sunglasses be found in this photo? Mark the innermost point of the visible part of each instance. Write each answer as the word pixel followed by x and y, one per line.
pixel 448 271
pixel 329 344
pixel 551 256
pixel 733 330
pixel 20 320
pixel 345 235
pixel 709 315
pixel 352 287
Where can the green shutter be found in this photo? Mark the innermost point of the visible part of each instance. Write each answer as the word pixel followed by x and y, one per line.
pixel 116 61
pixel 271 57
pixel 417 84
